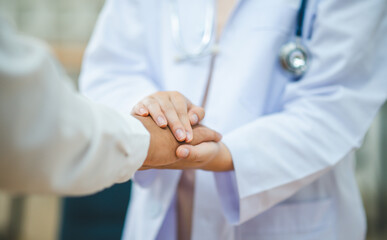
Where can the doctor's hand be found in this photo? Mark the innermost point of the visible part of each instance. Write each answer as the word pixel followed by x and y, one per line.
pixel 210 156
pixel 163 145
pixel 171 109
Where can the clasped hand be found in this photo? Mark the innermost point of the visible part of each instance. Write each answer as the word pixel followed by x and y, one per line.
pixel 178 141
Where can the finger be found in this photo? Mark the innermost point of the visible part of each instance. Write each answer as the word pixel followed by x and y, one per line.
pixel 156 113
pixel 173 120
pixel 196 114
pixel 175 125
pixel 140 110
pixel 197 154
pixel 180 104
pixel 204 134
pixel 193 157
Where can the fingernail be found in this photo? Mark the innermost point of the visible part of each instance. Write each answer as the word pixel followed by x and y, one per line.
pixel 184 152
pixel 161 121
pixel 194 119
pixel 143 111
pixel 180 134
pixel 189 137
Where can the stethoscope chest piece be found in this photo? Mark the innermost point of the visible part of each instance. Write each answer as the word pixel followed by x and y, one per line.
pixel 294 59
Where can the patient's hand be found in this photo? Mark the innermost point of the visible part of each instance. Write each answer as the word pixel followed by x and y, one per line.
pixel 163 145
pixel 171 109
pixel 211 156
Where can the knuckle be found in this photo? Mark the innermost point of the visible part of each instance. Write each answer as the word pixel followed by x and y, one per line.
pixel 154 104
pixel 181 112
pixel 148 101
pixel 167 107
pixel 176 94
pixel 159 93
pixel 152 97
pixel 161 97
pixel 154 108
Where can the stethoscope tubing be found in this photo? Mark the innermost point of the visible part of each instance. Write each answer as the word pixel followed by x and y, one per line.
pixel 206 38
pixel 294 56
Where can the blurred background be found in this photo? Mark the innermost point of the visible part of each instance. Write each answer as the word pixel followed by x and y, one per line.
pixel 67 25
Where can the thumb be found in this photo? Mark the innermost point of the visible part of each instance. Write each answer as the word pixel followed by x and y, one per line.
pixel 183 151
pixel 198 153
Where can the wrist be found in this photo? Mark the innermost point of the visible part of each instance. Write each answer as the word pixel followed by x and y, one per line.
pixel 149 156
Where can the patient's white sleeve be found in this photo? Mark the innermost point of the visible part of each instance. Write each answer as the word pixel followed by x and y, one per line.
pixel 53 140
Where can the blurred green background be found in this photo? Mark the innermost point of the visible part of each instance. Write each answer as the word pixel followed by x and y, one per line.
pixel 66 25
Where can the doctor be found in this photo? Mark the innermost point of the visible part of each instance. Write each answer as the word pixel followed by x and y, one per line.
pixel 52 140
pixel 291 136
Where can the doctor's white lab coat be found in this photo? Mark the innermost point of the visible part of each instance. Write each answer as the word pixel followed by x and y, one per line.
pixel 52 140
pixel 292 143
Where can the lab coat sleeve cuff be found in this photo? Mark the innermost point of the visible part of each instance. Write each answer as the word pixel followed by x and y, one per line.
pixel 228 194
pixel 235 203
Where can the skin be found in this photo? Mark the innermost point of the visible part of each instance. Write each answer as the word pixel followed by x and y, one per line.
pixel 163 145
pixel 203 152
pixel 209 156
pixel 172 109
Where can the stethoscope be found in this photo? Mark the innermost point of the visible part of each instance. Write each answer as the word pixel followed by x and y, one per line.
pixel 203 49
pixel 294 56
